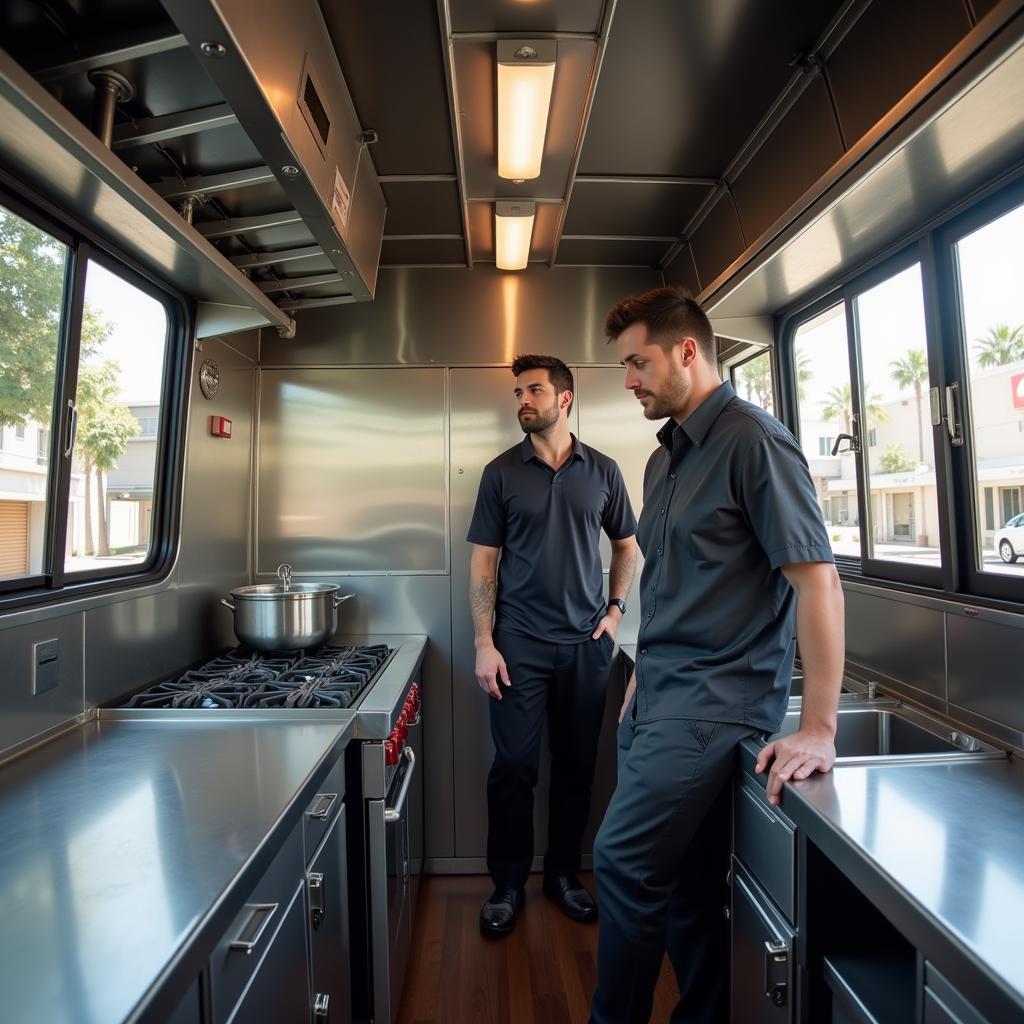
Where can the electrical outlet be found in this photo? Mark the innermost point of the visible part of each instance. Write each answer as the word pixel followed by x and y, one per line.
pixel 45 666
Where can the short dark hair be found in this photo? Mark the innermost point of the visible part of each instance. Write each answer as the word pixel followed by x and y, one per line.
pixel 558 373
pixel 670 314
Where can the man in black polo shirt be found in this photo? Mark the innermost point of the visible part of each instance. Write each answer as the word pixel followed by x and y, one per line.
pixel 542 506
pixel 737 567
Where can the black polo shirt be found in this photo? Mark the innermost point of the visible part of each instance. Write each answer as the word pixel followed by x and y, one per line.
pixel 728 500
pixel 548 526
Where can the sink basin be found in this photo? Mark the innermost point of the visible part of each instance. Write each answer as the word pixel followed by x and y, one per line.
pixel 890 730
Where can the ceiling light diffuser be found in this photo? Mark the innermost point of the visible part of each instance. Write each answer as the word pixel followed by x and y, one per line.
pixel 513 230
pixel 526 74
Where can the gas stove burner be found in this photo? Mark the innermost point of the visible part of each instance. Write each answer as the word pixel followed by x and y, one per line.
pixel 213 693
pixel 306 693
pixel 329 677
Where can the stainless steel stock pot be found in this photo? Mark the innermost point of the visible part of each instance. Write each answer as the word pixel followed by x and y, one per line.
pixel 285 616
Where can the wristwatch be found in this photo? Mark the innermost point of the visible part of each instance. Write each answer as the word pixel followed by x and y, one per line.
pixel 619 603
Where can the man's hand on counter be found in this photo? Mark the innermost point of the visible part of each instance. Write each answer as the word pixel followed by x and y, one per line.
pixel 795 757
pixel 490 667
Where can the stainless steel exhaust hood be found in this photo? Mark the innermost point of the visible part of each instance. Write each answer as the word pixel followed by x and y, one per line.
pixel 278 71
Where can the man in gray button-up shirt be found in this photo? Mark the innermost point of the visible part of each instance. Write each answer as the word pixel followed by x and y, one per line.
pixel 737 566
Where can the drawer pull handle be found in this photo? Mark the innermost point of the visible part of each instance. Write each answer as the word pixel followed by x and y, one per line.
pixel 259 919
pixel 323 805
pixel 394 814
pixel 317 900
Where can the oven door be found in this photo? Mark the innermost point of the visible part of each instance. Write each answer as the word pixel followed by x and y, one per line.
pixel 391 908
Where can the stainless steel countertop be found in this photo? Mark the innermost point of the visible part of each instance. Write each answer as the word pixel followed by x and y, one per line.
pixel 128 845
pixel 941 847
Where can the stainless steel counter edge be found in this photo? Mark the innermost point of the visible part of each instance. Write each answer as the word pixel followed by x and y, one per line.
pixel 181 969
pixel 934 936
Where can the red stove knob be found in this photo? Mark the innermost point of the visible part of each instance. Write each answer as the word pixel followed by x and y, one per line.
pixel 391 751
pixel 402 726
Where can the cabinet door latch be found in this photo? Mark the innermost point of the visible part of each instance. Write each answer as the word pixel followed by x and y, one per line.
pixel 776 971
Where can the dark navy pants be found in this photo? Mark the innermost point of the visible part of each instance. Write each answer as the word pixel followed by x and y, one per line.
pixel 567 684
pixel 661 861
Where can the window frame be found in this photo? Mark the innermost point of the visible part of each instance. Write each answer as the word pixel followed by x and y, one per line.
pixel 768 351
pixel 934 243
pixel 54 584
pixel 956 354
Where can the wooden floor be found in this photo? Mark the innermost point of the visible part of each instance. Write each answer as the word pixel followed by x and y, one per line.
pixel 543 973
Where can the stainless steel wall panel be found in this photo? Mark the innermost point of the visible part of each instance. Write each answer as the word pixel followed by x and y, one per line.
pixel 22 713
pixel 351 471
pixel 902 644
pixel 984 669
pixel 216 525
pixel 718 240
pixel 612 421
pixel 449 316
pixel 804 145
pixel 483 424
pixel 886 52
pixel 134 642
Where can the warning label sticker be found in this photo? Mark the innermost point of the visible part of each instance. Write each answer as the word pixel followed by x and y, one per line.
pixel 341 201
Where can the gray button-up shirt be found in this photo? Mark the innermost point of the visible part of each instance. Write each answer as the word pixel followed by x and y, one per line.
pixel 548 525
pixel 728 499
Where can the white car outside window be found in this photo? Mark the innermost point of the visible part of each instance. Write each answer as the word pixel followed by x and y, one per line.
pixel 1010 539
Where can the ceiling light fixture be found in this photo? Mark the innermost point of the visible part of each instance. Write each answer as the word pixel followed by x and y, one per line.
pixel 513 230
pixel 526 74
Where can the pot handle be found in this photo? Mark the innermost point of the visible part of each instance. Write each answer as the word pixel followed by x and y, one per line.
pixel 227 603
pixel 342 599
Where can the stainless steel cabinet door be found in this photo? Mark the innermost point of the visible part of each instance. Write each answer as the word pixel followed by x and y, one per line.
pixel 327 899
pixel 762 956
pixel 279 991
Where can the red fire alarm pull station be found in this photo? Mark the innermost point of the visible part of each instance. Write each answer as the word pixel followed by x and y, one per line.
pixel 220 426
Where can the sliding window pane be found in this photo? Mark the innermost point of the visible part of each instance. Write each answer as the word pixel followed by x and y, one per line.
pixel 823 391
pixel 753 381
pixel 991 268
pixel 120 383
pixel 903 516
pixel 32 269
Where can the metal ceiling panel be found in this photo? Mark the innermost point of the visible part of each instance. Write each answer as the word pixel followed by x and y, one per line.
pixel 394 70
pixel 889 49
pixel 421 251
pixel 608 252
pixel 682 271
pixel 684 84
pixel 544 230
pixel 292 236
pixel 481 231
pixel 969 133
pixel 212 152
pixel 804 145
pixel 249 202
pixel 422 208
pixel 476 83
pixel 617 208
pixel 717 241
pixel 525 18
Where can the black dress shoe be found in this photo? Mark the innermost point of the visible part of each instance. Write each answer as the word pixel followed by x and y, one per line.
pixel 498 916
pixel 573 900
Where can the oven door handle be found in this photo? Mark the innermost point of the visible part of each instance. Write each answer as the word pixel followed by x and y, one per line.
pixel 394 814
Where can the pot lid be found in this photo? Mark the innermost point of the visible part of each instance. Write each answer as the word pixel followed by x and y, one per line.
pixel 276 592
